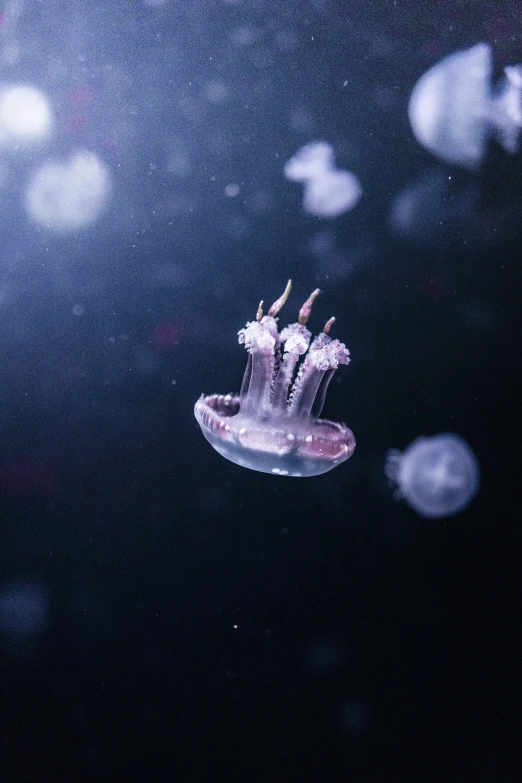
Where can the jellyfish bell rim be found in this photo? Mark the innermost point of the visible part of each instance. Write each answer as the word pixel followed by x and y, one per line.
pixel 281 446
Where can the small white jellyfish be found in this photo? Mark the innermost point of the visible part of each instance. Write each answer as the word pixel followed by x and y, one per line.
pixel 310 161
pixel 68 196
pixel 25 115
pixel 328 192
pixel 454 109
pixel 332 194
pixel 437 476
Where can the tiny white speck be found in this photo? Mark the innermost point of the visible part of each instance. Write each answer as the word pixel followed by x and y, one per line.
pixel 242 430
pixel 276 470
pixel 235 626
pixel 227 427
pixel 290 436
pixel 308 439
pixel 283 473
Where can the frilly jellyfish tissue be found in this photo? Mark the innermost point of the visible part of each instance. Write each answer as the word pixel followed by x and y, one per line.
pixel 454 109
pixel 273 424
pixel 437 476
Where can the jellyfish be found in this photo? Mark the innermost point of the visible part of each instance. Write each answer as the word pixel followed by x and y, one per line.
pixel 437 476
pixel 332 194
pixel 24 609
pixel 310 161
pixel 68 196
pixel 273 424
pixel 436 210
pixel 328 192
pixel 454 110
pixel 25 115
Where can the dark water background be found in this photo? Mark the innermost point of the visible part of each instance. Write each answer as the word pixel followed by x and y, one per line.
pixel 192 620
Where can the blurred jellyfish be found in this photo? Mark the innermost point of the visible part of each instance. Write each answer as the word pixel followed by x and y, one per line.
pixel 332 194
pixel 354 717
pixel 24 610
pixel 327 192
pixel 68 196
pixel 454 110
pixel 437 476
pixel 25 116
pixel 325 655
pixel 439 212
pixel 310 161
pixel 436 211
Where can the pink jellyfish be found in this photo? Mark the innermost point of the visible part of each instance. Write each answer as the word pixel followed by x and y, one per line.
pixel 273 424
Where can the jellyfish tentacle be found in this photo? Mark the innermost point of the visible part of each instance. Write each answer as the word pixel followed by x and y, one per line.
pixel 306 309
pixel 296 339
pixel 261 339
pixel 278 304
pixel 245 383
pixel 328 325
pixel 324 354
pixel 318 403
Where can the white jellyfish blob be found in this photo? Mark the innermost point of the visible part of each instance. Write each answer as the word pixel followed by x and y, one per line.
pixel 454 109
pixel 310 161
pixel 332 194
pixel 68 196
pixel 437 476
pixel 25 115
pixel 328 192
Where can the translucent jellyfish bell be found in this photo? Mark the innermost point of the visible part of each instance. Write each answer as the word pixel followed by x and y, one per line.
pixel 453 109
pixel 273 424
pixel 332 194
pixel 437 476
pixel 328 192
pixel 309 161
pixel 68 196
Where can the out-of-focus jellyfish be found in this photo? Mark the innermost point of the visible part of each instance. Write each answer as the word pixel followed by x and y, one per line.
pixel 328 192
pixel 68 196
pixel 25 116
pixel 439 212
pixel 24 609
pixel 454 110
pixel 310 161
pixel 273 424
pixel 437 476
pixel 332 194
